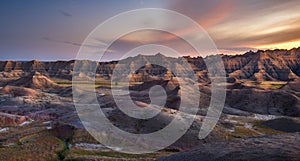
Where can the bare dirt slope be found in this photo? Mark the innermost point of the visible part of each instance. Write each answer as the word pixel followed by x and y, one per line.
pixel 272 148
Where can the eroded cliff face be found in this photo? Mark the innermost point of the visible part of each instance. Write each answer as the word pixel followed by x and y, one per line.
pixel 11 119
pixel 281 65
pixel 269 65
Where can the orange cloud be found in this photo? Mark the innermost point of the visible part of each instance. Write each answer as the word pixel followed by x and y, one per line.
pixel 282 45
pixel 216 14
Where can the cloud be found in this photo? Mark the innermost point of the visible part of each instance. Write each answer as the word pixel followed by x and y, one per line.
pixel 206 13
pixel 65 13
pixel 235 26
pixel 238 24
pixel 94 46
pixel 64 42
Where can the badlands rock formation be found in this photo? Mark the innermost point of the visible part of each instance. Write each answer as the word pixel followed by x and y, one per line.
pixel 34 80
pixel 246 73
pixel 262 95
pixel 280 65
pixel 10 119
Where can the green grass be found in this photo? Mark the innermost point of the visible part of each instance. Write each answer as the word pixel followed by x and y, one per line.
pixel 61 154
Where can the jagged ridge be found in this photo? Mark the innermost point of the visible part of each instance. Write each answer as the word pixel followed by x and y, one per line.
pixel 269 65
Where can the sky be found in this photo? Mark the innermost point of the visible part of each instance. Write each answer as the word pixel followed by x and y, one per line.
pixel 55 29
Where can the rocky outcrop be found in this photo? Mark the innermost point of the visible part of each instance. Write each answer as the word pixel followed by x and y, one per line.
pixel 269 65
pixel 10 119
pixel 19 91
pixel 34 80
pixel 60 69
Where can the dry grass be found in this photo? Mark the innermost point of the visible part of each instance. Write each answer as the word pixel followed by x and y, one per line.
pixel 272 84
pixel 97 83
pixel 257 128
pixel 38 147
pixel 265 84
pixel 240 132
pixel 76 153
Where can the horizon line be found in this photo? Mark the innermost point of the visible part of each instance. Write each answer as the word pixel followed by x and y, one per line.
pixel 249 51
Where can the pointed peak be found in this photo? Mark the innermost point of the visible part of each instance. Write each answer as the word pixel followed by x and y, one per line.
pixel 159 54
pixel 34 61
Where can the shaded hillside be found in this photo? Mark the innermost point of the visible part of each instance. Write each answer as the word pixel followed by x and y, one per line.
pixel 273 148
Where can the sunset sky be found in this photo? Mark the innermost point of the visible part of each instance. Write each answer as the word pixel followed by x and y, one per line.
pixel 55 29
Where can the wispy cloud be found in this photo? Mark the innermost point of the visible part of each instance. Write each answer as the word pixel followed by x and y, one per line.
pixel 59 41
pixel 94 46
pixel 67 14
pixel 236 26
pixel 206 13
